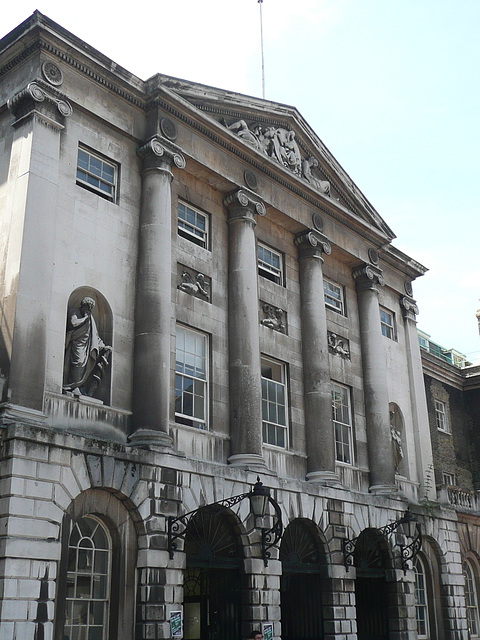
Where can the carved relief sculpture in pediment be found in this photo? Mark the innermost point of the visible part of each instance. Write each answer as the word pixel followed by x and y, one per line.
pixel 280 145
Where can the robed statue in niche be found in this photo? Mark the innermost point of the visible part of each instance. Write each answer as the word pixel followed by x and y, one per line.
pixel 86 355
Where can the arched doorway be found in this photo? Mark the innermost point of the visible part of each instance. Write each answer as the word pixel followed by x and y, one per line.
pixel 212 583
pixel 301 583
pixel 370 559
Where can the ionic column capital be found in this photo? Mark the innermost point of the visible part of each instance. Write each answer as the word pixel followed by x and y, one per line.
pixel 160 153
pixel 39 99
pixel 243 204
pixel 312 244
pixel 368 276
pixel 409 307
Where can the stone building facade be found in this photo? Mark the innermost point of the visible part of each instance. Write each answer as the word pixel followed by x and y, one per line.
pixel 195 294
pixel 453 402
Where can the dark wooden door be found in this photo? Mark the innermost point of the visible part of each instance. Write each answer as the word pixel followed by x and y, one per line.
pixel 301 600
pixel 372 608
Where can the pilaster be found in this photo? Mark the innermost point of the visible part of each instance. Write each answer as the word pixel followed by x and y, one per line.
pixel 421 429
pixel 40 113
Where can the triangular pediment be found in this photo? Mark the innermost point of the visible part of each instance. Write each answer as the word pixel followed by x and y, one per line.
pixel 280 134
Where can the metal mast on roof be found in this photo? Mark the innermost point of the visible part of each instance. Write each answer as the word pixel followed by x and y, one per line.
pixel 260 2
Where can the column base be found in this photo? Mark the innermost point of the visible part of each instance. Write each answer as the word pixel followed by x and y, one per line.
pixel 150 439
pixel 248 461
pixel 383 489
pixel 323 477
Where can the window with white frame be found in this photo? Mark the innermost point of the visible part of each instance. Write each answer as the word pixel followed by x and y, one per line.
pixel 441 418
pixel 448 479
pixel 88 580
pixel 193 224
pixel 191 378
pixel 97 174
pixel 421 598
pixel 387 323
pixel 342 423
pixel 274 403
pixel 333 294
pixel 270 263
pixel 471 600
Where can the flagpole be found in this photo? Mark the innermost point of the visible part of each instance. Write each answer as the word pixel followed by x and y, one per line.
pixel 260 2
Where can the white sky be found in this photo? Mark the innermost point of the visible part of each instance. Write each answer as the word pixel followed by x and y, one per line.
pixel 390 86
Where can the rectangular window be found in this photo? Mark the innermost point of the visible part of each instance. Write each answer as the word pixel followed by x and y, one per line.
pixel 333 295
pixel 387 323
pixel 448 479
pixel 97 174
pixel 193 224
pixel 191 378
pixel 274 403
pixel 441 416
pixel 270 263
pixel 342 423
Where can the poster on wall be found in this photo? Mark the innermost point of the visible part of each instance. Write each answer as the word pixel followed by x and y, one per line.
pixel 176 630
pixel 267 628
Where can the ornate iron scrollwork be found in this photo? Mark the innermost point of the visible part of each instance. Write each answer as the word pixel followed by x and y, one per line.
pixel 407 552
pixel 177 526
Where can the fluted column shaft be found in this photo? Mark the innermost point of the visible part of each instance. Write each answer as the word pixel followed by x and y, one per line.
pixel 316 371
pixel 153 309
pixel 243 333
pixel 379 444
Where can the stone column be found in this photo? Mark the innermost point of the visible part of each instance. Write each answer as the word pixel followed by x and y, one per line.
pixel 380 452
pixel 40 112
pixel 153 306
pixel 316 371
pixel 421 430
pixel 244 348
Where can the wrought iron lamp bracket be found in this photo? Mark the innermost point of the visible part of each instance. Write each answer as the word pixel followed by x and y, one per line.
pixel 176 527
pixel 407 552
pixel 270 537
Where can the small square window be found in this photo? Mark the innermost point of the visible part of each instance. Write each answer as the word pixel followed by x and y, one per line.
pixel 191 378
pixel 274 403
pixel 270 263
pixel 193 224
pixel 448 479
pixel 333 294
pixel 387 323
pixel 342 423
pixel 97 174
pixel 441 416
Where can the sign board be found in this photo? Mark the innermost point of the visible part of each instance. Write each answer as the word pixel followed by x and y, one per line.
pixel 176 630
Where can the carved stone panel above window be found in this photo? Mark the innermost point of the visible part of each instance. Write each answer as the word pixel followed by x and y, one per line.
pixel 194 283
pixel 338 345
pixel 273 317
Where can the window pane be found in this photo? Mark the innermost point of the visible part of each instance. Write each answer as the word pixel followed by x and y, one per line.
pixel 274 406
pixel 96 173
pixel 190 383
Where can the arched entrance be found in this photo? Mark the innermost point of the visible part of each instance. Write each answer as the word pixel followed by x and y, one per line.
pixel 301 583
pixel 212 583
pixel 370 559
